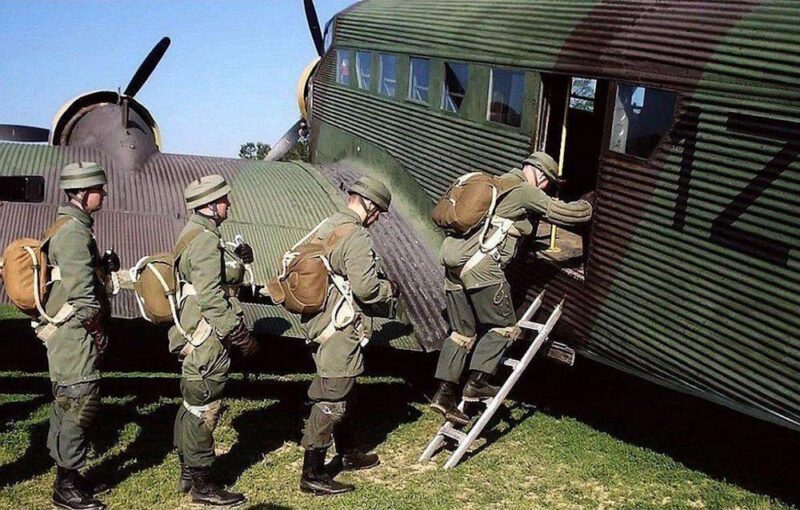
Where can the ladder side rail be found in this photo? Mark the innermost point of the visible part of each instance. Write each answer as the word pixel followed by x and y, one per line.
pixel 497 400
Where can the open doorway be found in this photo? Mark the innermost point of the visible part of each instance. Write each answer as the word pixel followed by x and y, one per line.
pixel 572 118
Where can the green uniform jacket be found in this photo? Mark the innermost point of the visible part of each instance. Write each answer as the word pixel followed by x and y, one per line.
pixel 210 268
pixel 70 351
pixel 353 257
pixel 522 200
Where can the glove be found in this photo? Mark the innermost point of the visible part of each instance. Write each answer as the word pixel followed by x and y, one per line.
pixel 395 287
pixel 241 338
pixel 245 252
pixel 110 262
pixel 94 326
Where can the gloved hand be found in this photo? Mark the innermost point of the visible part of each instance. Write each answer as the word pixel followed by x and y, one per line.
pixel 395 287
pixel 241 338
pixel 245 252
pixel 110 262
pixel 94 326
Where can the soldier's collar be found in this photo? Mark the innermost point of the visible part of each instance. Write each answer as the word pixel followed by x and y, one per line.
pixel 74 212
pixel 204 222
pixel 517 172
pixel 354 215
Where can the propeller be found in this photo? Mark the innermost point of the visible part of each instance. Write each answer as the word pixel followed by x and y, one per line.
pixel 146 68
pixel 286 142
pixel 14 133
pixel 313 26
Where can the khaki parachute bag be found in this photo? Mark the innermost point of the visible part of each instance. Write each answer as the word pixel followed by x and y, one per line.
pixel 27 273
pixel 156 284
pixel 306 274
pixel 470 200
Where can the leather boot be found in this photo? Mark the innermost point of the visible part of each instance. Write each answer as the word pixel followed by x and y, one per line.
pixel 478 387
pixel 315 480
pixel 444 403
pixel 205 490
pixel 185 481
pixel 356 461
pixel 92 486
pixel 68 493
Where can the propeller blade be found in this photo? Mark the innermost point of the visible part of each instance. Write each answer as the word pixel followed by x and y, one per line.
pixel 286 142
pixel 13 133
pixel 146 68
pixel 313 26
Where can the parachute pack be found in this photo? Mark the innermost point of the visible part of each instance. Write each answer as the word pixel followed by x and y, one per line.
pixel 27 273
pixel 156 284
pixel 305 275
pixel 470 200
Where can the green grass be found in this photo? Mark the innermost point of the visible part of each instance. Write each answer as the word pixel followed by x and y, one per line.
pixel 10 312
pixel 531 459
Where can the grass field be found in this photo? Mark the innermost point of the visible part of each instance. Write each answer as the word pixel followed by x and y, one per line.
pixel 584 437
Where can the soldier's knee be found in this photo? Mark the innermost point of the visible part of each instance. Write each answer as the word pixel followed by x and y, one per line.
pixel 510 333
pixel 83 410
pixel 333 411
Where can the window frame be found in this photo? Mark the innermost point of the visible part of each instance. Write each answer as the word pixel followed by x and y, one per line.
pixel 339 51
pixel 370 59
pixel 409 98
pixel 487 117
pixel 606 151
pixel 380 74
pixel 444 95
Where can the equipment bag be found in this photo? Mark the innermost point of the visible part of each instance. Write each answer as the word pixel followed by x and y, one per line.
pixel 156 284
pixel 470 200
pixel 306 274
pixel 27 274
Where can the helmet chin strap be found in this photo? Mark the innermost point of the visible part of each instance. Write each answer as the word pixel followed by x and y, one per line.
pixel 214 212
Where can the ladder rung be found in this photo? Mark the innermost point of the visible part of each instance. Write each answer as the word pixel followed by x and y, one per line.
pixel 454 434
pixel 510 362
pixel 536 326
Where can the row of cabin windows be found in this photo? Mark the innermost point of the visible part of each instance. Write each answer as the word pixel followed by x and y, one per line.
pixel 506 86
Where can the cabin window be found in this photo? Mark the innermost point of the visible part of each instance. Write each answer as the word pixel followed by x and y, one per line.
pixel 419 78
pixel 641 117
pixel 363 69
pixel 506 92
pixel 582 94
pixel 455 86
pixel 344 59
pixel 387 75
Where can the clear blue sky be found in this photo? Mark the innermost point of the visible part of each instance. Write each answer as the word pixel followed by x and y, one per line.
pixel 229 75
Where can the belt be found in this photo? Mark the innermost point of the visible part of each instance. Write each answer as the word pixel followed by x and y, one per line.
pixel 198 410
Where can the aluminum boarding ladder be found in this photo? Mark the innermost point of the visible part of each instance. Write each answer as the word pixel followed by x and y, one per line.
pixel 465 439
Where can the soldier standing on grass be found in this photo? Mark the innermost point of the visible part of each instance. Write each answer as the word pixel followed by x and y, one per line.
pixel 213 319
pixel 337 348
pixel 477 293
pixel 77 338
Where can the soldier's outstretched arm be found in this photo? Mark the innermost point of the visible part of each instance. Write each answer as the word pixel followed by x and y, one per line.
pixel 77 270
pixel 359 261
pixel 204 257
pixel 554 210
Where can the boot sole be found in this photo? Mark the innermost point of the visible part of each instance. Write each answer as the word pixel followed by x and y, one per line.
pixel 439 409
pixel 362 468
pixel 208 503
pixel 67 507
pixel 324 493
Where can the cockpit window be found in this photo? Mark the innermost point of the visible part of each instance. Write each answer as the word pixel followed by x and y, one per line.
pixel 387 75
pixel 363 69
pixel 641 117
pixel 506 91
pixel 419 78
pixel 455 86
pixel 344 59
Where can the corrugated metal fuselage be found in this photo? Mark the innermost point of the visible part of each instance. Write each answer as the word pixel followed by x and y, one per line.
pixel 693 270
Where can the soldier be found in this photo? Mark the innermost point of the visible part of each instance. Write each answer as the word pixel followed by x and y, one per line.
pixel 213 320
pixel 477 293
pixel 78 302
pixel 337 334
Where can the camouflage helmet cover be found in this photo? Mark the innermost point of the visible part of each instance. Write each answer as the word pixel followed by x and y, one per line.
pixel 373 190
pixel 205 190
pixel 82 175
pixel 546 164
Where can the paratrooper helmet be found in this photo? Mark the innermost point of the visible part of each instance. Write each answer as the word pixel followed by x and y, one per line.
pixel 373 190
pixel 82 175
pixel 205 190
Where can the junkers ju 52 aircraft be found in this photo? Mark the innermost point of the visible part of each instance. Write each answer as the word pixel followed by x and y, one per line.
pixel 681 117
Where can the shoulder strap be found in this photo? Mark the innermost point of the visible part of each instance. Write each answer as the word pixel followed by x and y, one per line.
pixel 504 185
pixel 184 241
pixel 338 233
pixel 52 229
